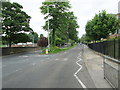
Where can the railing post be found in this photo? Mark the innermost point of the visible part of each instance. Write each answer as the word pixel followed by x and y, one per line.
pixel 118 64
pixel 114 48
pixel 104 66
pixel 118 49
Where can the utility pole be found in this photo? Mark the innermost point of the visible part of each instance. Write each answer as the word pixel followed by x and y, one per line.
pixel 33 40
pixel 48 30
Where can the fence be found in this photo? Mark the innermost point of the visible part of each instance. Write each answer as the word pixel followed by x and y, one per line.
pixel 112 71
pixel 111 62
pixel 15 50
pixel 109 48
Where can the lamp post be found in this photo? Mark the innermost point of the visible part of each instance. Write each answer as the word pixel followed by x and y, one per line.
pixel 48 30
pixel 33 40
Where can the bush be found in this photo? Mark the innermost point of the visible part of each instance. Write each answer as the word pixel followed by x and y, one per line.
pixel 43 42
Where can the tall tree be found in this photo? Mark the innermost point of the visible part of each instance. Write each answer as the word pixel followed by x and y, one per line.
pixel 56 10
pixel 101 26
pixel 68 28
pixel 14 20
pixel 72 26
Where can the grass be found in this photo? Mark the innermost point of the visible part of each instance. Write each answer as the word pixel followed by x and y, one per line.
pixel 56 49
pixel 1 45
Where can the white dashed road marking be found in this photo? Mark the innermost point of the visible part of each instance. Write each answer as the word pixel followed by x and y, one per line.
pixel 18 70
pixel 33 64
pixel 56 59
pixel 65 59
pixel 23 56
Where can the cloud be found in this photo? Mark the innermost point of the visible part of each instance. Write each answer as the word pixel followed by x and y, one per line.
pixel 84 10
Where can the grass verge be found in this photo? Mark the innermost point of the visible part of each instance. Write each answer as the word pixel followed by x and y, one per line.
pixel 56 49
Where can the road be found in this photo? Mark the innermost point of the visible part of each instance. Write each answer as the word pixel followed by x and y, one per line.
pixel 32 70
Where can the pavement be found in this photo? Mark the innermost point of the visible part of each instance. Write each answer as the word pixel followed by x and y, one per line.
pixel 73 68
pixel 94 64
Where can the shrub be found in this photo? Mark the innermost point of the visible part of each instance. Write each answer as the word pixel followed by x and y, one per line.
pixel 43 42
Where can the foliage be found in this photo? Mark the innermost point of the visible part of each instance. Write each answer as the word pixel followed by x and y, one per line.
pixel 33 35
pixel 43 42
pixel 84 39
pixel 41 35
pixel 68 30
pixel 101 26
pixel 71 41
pixel 62 23
pixel 20 38
pixel 14 20
pixel 58 41
pixel 79 40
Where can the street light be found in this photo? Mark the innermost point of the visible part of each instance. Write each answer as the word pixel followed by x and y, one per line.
pixel 48 26
pixel 48 29
pixel 33 40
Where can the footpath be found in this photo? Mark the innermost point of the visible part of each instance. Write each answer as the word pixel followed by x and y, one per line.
pixel 94 64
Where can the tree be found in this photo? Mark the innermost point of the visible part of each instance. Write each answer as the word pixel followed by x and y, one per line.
pixel 14 21
pixel 84 39
pixel 68 30
pixel 58 41
pixel 20 38
pixel 41 35
pixel 33 35
pixel 101 26
pixel 72 32
pixel 63 23
pixel 56 12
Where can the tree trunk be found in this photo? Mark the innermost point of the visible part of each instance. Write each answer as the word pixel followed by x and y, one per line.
pixel 53 38
pixel 9 42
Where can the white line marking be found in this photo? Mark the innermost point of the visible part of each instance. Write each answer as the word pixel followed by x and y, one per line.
pixel 75 74
pixel 23 56
pixel 65 59
pixel 18 70
pixel 56 59
pixel 33 64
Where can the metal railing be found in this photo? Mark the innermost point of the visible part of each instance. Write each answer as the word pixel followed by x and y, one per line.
pixel 111 71
pixel 109 48
pixel 111 54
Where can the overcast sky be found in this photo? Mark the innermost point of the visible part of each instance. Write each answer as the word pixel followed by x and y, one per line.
pixel 84 10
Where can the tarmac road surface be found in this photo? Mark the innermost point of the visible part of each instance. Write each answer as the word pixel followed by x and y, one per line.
pixel 32 70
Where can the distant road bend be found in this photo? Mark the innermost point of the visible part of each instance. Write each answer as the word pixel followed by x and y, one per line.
pixel 31 70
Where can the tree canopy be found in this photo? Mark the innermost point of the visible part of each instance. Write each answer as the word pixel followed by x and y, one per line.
pixel 14 20
pixel 33 35
pixel 101 26
pixel 62 22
